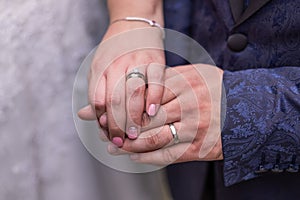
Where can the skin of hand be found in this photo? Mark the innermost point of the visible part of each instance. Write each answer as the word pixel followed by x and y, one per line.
pixel 124 101
pixel 192 102
pixel 127 45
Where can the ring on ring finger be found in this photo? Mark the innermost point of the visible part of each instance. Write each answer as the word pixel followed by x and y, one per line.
pixel 136 74
pixel 174 133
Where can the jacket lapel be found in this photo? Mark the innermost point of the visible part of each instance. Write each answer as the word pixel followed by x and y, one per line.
pixel 237 9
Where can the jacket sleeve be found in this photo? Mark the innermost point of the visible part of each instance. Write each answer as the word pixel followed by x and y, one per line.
pixel 261 132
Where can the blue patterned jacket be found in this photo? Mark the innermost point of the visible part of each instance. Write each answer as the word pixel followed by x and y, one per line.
pixel 259 50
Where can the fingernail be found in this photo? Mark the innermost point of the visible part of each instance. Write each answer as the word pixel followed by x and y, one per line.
pixel 152 110
pixel 103 120
pixel 117 141
pixel 132 133
pixel 134 156
pixel 112 149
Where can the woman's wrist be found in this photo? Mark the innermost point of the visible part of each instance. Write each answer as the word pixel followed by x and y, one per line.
pixel 150 9
pixel 148 22
pixel 123 26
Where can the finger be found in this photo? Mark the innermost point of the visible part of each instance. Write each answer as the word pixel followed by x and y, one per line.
pixel 155 77
pixel 115 109
pixel 168 113
pixel 87 113
pixel 166 156
pixel 149 141
pixel 103 120
pixel 97 97
pixel 114 150
pixel 135 103
pixel 153 139
pixel 168 95
pixel 100 101
pixel 173 84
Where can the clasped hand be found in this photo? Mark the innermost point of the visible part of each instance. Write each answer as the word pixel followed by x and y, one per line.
pixel 135 98
pixel 191 101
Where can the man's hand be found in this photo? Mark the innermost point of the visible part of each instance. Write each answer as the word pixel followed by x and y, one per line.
pixel 192 102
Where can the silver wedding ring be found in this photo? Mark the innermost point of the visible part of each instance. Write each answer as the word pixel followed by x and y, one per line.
pixel 174 133
pixel 136 74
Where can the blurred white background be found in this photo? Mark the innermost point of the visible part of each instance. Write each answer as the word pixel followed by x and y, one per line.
pixel 42 43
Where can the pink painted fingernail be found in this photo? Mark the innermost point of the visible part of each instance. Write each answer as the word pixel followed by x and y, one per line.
pixel 103 120
pixel 117 141
pixel 132 133
pixel 152 110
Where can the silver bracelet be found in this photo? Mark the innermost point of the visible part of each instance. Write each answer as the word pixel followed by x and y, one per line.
pixel 140 19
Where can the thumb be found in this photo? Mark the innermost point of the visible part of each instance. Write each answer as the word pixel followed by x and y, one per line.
pixel 87 113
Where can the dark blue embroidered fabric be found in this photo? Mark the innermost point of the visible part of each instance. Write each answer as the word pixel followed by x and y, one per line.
pixel 262 82
pixel 262 118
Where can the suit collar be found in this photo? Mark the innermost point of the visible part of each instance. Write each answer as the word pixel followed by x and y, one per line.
pixel 237 9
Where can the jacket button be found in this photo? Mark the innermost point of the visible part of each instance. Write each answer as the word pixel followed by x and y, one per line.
pixel 237 42
pixel 261 169
pixel 277 169
pixel 292 168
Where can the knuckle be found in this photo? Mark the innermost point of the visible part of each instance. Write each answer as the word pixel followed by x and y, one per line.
pixel 113 100
pixel 98 104
pixel 114 130
pixel 154 95
pixel 135 117
pixel 194 149
pixel 153 141
pixel 137 91
pixel 121 62
pixel 132 147
pixel 168 156
pixel 96 69
pixel 155 77
pixel 134 110
pixel 118 62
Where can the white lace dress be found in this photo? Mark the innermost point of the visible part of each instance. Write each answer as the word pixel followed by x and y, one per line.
pixel 42 43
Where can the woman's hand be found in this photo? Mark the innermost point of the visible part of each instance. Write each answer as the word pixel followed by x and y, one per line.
pixel 126 46
pixel 191 101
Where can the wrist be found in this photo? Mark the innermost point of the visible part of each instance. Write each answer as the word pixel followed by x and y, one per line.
pixel 150 9
pixel 155 18
pixel 131 23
